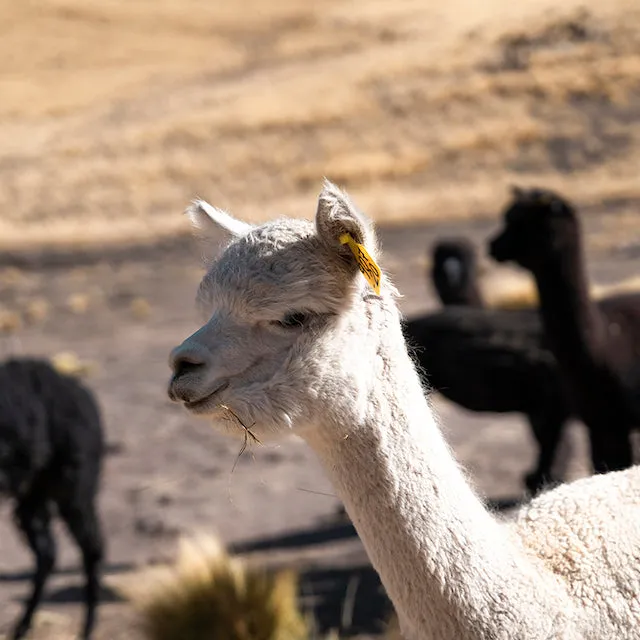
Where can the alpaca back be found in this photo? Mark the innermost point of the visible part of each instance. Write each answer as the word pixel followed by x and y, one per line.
pixel 605 380
pixel 486 359
pixel 585 533
pixel 48 420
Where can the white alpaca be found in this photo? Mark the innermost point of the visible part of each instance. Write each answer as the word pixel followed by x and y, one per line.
pixel 297 340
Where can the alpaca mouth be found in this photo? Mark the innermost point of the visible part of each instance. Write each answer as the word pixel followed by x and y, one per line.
pixel 206 403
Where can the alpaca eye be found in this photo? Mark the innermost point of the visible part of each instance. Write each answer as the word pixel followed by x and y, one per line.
pixel 294 319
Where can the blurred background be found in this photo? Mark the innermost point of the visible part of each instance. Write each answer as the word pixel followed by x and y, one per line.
pixel 114 114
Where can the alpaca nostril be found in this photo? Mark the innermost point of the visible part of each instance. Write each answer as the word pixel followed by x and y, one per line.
pixel 187 362
pixel 184 366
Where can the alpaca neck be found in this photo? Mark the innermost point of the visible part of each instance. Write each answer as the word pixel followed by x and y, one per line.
pixel 451 570
pixel 572 322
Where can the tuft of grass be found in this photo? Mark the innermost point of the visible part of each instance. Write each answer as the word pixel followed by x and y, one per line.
pixel 78 303
pixel 68 363
pixel 208 594
pixel 140 308
pixel 10 321
pixel 10 277
pixel 36 310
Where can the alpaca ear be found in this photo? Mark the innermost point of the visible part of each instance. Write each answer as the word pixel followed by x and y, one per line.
pixel 215 226
pixel 517 192
pixel 337 216
pixel 345 231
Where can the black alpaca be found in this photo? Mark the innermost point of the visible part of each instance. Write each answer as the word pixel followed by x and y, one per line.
pixel 492 360
pixel 51 449
pixel 454 272
pixel 597 346
pixel 489 360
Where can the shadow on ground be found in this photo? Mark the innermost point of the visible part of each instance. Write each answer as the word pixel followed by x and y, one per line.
pixel 68 594
pixel 339 529
pixel 350 600
pixel 21 576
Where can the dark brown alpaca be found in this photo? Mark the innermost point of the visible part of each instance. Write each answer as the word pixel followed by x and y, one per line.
pixel 597 346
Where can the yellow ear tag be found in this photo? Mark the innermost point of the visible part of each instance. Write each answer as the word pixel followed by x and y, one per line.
pixel 369 269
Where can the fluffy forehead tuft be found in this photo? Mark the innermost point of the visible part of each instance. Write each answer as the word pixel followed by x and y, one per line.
pixel 277 267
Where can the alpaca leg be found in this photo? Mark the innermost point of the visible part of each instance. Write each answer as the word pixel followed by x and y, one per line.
pixel 611 448
pixel 84 527
pixel 547 430
pixel 34 520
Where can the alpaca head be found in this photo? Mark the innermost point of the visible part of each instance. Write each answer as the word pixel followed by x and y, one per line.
pixel 453 269
pixel 538 226
pixel 286 305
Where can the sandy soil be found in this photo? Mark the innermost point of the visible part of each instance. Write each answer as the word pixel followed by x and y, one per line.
pixel 114 115
pixel 170 474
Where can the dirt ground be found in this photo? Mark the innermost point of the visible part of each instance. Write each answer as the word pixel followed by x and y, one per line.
pixel 169 474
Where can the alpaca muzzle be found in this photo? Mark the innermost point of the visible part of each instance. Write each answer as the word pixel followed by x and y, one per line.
pixel 189 363
pixel 498 249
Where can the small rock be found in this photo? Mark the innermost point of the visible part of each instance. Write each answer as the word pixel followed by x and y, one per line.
pixel 78 303
pixel 10 321
pixel 36 310
pixel 140 308
pixel 11 276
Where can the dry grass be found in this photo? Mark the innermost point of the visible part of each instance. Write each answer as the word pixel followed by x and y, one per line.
pixel 78 303
pixel 208 594
pixel 36 310
pixel 140 308
pixel 10 321
pixel 628 285
pixel 68 363
pixel 507 290
pixel 114 114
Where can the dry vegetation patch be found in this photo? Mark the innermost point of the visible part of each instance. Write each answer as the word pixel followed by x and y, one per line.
pixel 208 594
pixel 114 115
